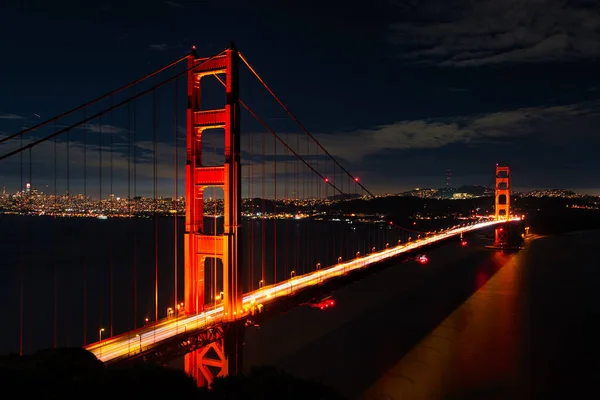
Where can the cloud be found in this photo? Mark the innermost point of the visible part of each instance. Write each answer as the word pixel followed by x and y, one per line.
pixel 104 128
pixel 174 4
pixel 465 33
pixel 535 134
pixel 99 128
pixel 430 134
pixel 10 116
pixel 159 47
pixel 116 160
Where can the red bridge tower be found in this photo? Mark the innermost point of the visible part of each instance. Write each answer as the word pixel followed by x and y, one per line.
pixel 223 355
pixel 502 204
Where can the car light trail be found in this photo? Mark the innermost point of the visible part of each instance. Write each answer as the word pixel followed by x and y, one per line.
pixel 142 339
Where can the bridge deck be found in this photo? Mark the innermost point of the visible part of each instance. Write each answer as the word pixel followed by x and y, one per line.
pixel 131 344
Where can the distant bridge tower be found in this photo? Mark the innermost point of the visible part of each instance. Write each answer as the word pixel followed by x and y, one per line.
pixel 224 355
pixel 502 203
pixel 448 179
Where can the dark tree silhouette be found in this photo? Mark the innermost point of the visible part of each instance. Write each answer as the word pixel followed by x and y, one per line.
pixel 76 373
pixel 268 383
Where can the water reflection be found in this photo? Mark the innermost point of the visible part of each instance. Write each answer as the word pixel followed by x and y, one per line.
pixel 473 352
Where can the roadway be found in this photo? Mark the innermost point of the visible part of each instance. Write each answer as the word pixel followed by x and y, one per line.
pixel 134 342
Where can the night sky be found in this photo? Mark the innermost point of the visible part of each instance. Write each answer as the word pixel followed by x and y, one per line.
pixel 400 91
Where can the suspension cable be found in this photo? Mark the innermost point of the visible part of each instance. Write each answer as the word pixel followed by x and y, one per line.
pixel 89 103
pixel 272 132
pixel 100 113
pixel 287 110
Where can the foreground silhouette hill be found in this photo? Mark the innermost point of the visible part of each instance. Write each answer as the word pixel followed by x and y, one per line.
pixel 76 373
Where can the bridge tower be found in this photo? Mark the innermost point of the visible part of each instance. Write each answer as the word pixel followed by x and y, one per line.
pixel 224 355
pixel 502 204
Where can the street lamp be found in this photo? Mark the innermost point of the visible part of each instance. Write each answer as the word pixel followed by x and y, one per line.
pixel 261 283
pixel 318 267
pixel 292 274
pixel 169 312
pixel 221 295
pixel 145 321
pixel 100 340
pixel 137 335
pixel 339 260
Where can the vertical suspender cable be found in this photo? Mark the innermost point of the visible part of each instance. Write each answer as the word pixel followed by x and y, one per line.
pixel 135 220
pixel 110 144
pixel 252 236
pixel 249 236
pixel 275 210
pixel 29 237
pixel 316 192
pixel 129 183
pixel 111 204
pixel 215 211
pixel 54 283
pixel 22 262
pixel 155 184
pixel 305 191
pixel 85 202
pixel 68 164
pixel 100 159
pixel 335 231
pixel 175 200
pixel 263 241
pixel 215 229
pixel 100 280
pixel 296 201
pixel 309 192
pixel 287 205
pixel 69 276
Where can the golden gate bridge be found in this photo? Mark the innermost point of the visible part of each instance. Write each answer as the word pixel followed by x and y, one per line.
pixel 237 255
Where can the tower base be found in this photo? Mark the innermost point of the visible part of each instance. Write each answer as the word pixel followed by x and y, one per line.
pixel 503 240
pixel 501 236
pixel 217 359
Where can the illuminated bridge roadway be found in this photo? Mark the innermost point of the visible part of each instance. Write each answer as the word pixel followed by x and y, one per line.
pixel 143 339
